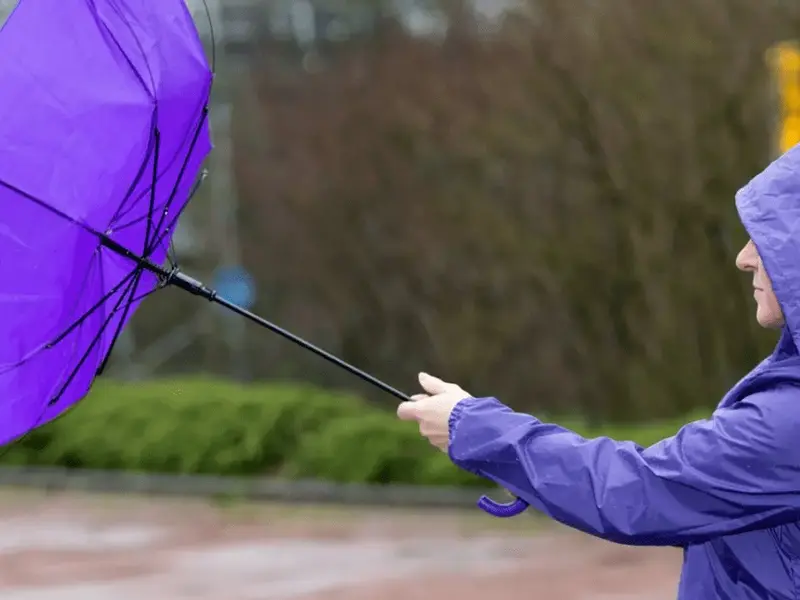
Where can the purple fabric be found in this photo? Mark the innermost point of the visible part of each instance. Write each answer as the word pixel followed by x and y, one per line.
pixel 726 489
pixel 84 84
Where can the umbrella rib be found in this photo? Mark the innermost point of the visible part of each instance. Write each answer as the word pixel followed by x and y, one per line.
pixel 156 133
pixel 140 78
pixel 131 206
pixel 213 37
pixel 102 238
pixel 75 371
pixel 80 320
pixel 121 212
pixel 100 331
pixel 173 194
pixel 136 72
pixel 143 295
pixel 61 392
pixel 52 209
pixel 168 165
pixel 88 272
pixel 41 203
pixel 123 319
pixel 123 205
pixel 158 229
pixel 178 214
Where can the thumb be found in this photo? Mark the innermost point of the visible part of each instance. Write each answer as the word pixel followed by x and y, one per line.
pixel 433 385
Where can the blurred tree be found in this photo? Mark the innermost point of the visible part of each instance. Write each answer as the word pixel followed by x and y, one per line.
pixel 543 211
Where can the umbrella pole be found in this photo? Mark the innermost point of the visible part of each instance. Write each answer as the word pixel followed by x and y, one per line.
pixel 189 284
pixel 195 287
pixel 178 279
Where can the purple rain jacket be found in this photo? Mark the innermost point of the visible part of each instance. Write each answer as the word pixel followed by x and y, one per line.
pixel 725 489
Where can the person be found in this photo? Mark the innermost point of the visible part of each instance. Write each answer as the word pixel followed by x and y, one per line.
pixel 725 489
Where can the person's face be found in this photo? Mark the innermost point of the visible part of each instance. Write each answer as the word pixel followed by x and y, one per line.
pixel 768 313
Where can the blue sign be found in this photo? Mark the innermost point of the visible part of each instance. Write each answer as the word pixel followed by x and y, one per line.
pixel 236 285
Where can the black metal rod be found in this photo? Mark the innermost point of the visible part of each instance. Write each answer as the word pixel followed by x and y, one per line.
pixel 195 287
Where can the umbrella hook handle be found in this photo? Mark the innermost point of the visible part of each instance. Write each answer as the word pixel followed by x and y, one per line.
pixel 502 510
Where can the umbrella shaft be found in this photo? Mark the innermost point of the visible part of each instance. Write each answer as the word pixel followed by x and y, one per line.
pixel 195 287
pixel 363 375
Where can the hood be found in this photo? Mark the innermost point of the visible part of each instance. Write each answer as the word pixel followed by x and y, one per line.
pixel 769 208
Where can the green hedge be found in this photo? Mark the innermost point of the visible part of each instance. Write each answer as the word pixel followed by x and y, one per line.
pixel 213 427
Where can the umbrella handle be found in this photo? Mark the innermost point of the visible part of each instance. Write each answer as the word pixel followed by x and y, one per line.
pixel 503 511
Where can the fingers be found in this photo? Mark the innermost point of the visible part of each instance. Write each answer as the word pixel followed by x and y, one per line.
pixel 433 385
pixel 408 411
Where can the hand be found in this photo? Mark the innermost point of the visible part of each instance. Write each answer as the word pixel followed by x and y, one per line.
pixel 432 410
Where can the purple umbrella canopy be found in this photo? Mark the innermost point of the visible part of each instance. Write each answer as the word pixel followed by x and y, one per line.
pixel 103 135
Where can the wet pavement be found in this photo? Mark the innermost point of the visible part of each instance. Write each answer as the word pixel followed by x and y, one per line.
pixel 96 548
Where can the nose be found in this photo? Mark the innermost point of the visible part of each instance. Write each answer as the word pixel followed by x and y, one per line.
pixel 747 259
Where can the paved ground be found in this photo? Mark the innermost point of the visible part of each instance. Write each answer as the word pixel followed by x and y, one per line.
pixel 96 548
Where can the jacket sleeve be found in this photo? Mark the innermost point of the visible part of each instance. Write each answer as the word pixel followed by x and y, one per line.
pixel 737 471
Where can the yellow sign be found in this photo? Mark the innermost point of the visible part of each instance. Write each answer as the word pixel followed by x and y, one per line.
pixel 785 61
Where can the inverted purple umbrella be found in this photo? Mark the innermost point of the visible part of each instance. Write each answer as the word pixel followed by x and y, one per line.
pixel 104 132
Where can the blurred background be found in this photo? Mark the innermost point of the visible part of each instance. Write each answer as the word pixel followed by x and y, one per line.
pixel 532 198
